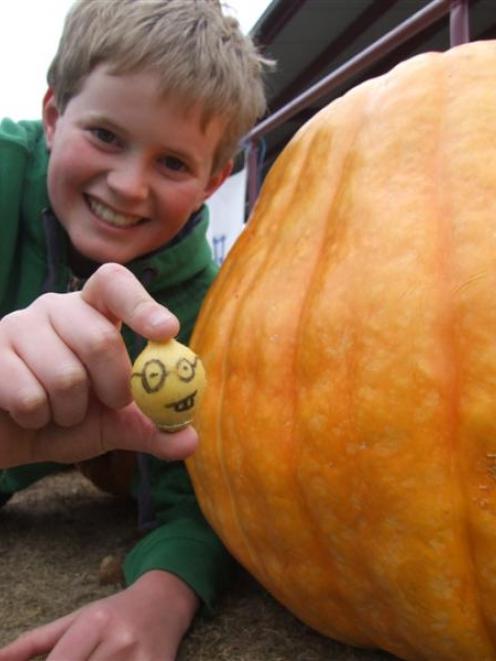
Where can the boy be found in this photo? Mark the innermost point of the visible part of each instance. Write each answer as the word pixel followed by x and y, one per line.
pixel 146 104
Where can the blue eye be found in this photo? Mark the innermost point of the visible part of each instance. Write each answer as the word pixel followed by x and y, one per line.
pixel 104 135
pixel 173 163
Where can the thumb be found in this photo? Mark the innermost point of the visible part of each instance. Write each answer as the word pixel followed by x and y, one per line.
pixel 129 429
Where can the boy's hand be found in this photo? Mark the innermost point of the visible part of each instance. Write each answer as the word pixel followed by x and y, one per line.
pixel 147 622
pixel 102 430
pixel 66 348
pixel 64 392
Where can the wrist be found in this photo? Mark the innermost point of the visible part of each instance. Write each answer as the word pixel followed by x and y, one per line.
pixel 169 592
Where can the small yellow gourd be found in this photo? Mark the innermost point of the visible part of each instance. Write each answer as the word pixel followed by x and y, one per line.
pixel 167 382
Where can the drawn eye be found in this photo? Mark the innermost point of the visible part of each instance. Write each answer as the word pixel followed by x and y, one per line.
pixel 185 369
pixel 154 375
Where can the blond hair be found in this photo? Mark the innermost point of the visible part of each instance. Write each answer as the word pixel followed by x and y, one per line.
pixel 197 53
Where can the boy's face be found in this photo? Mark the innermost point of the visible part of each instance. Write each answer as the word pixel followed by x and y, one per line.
pixel 127 167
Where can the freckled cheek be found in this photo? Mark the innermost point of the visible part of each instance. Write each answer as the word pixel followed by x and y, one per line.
pixel 63 183
pixel 67 182
pixel 175 210
pixel 182 202
pixel 58 188
pixel 76 160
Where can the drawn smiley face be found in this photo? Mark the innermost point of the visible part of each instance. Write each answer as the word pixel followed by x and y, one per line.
pixel 167 382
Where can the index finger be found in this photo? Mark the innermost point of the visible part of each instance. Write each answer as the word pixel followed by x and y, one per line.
pixel 115 292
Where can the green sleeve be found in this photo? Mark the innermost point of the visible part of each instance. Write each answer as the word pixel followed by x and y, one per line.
pixel 183 543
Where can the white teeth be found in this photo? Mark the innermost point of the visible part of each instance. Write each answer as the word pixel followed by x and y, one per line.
pixel 110 216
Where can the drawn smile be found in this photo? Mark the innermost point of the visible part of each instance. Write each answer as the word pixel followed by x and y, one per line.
pixel 184 404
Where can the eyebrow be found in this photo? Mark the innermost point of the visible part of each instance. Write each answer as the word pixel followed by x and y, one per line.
pixel 96 118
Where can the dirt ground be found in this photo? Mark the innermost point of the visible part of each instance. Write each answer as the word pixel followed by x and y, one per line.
pixel 53 538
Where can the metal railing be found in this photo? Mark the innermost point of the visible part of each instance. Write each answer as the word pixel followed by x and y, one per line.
pixel 458 11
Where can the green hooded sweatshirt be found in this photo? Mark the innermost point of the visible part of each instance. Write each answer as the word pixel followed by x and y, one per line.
pixel 33 259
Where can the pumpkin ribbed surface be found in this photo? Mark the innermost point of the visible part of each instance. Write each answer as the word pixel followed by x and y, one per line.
pixel 348 431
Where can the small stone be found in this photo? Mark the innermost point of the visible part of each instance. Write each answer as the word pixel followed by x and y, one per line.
pixel 110 572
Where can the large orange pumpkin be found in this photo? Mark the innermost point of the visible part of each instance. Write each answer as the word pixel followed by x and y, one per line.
pixel 348 432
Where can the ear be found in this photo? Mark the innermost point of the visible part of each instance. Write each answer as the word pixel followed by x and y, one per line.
pixel 217 179
pixel 50 116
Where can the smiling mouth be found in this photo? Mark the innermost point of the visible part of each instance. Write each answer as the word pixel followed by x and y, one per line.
pixel 111 217
pixel 184 404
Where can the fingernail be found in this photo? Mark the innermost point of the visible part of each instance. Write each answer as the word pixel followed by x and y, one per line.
pixel 161 318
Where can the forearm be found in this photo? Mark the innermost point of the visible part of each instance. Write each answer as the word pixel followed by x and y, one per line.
pixel 183 543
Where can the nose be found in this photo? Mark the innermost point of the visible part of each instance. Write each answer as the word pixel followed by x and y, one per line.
pixel 129 179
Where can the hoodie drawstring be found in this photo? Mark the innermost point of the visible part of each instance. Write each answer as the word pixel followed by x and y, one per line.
pixel 55 249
